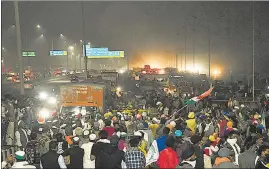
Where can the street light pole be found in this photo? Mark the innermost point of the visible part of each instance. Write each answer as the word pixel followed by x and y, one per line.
pixel 18 32
pixel 253 52
pixel 84 39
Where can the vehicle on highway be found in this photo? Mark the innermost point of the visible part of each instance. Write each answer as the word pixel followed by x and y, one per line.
pixel 74 79
pixel 82 98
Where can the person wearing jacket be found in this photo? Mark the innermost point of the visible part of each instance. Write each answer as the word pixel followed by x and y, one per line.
pixel 168 157
pixel 224 159
pixel 191 122
pixel 75 153
pixel 231 143
pixel 248 158
pixel 52 159
pixel 188 158
pixel 263 159
pixel 195 140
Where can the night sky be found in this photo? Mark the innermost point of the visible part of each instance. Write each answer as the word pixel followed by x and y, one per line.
pixel 146 31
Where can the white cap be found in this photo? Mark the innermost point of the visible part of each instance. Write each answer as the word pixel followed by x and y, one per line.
pixel 73 125
pixel 86 132
pixel 155 120
pixel 144 114
pixel 158 103
pixel 63 126
pixel 137 133
pixel 54 127
pixel 76 139
pixel 92 137
pixel 173 123
pixel 40 129
pixel 54 121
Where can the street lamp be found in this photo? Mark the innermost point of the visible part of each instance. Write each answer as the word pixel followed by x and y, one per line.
pixel 61 35
pixel 71 47
pixel 80 41
pixel 42 35
pixel 3 48
pixel 38 26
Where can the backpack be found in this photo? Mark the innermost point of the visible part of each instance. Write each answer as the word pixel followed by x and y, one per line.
pixel 32 153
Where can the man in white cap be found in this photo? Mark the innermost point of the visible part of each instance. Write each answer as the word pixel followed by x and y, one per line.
pixel 20 161
pixel 87 162
pixel 75 153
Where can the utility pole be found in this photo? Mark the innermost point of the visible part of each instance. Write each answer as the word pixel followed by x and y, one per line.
pixel 84 39
pixel 253 51
pixel 18 32
pixel 193 42
pixel 185 44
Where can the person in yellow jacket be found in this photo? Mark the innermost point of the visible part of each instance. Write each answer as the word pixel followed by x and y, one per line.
pixel 191 122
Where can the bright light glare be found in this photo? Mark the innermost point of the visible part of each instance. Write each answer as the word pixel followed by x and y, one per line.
pixel 52 100
pixel 43 95
pixel 38 26
pixel 122 71
pixel 118 88
pixel 162 72
pixel 44 113
pixel 195 69
pixel 216 72
pixel 71 47
pixel 61 34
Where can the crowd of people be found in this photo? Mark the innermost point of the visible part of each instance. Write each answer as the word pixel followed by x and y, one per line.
pixel 162 135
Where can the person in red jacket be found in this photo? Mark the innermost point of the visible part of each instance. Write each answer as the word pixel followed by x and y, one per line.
pixel 168 157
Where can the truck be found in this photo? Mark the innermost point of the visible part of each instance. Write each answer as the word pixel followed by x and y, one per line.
pixel 82 98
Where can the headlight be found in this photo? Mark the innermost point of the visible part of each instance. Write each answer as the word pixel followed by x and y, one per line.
pixel 52 100
pixel 43 95
pixel 44 113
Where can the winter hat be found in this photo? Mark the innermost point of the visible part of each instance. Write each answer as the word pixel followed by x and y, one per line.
pixel 178 133
pixel 225 152
pixel 212 138
pixel 19 155
pixel 230 124
pixel 92 137
pixel 195 139
pixel 75 140
pixel 191 115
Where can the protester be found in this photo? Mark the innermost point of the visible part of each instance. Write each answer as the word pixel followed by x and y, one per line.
pixel 42 140
pixel 263 159
pixel 75 154
pixel 20 161
pixel 52 159
pixel 87 147
pixel 62 145
pixel 168 156
pixel 188 158
pixel 224 159
pixel 99 150
pixel 161 140
pixel 32 152
pixel 134 158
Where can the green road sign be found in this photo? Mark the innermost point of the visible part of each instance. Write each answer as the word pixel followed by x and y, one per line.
pixel 28 54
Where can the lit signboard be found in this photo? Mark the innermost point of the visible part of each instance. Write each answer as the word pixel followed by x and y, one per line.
pixel 58 53
pixel 28 54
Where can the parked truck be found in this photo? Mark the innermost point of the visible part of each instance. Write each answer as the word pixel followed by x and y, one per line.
pixel 82 98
